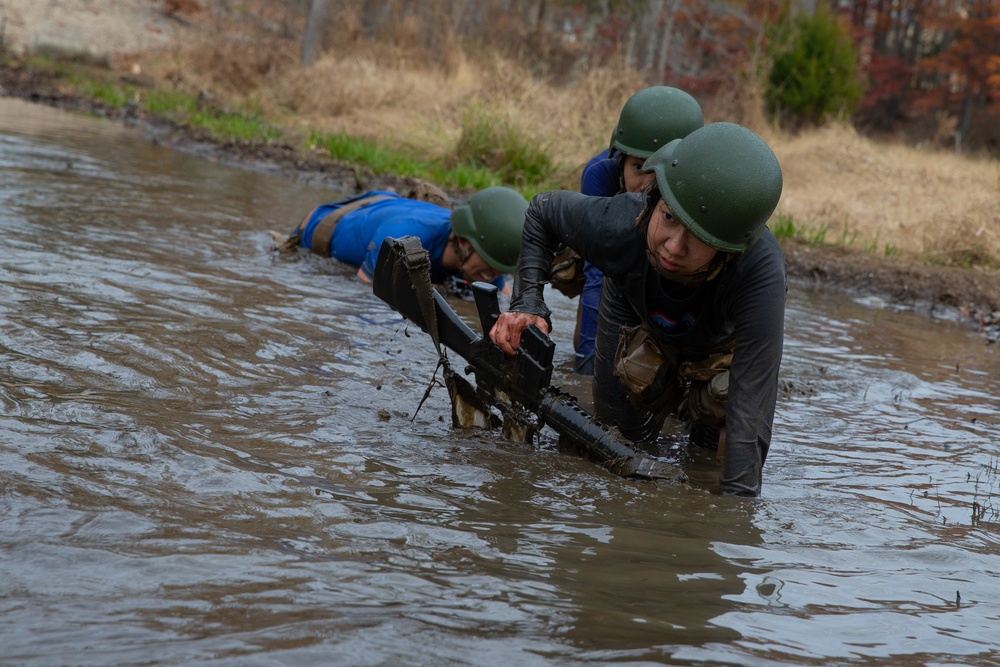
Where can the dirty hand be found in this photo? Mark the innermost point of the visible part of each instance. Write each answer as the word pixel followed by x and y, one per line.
pixel 506 333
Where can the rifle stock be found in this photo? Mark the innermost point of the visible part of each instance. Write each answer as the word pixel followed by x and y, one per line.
pixel 512 384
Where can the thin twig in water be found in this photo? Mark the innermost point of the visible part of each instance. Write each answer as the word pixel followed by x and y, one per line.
pixel 430 385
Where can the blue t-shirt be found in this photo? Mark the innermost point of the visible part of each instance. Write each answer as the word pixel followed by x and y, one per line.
pixel 601 178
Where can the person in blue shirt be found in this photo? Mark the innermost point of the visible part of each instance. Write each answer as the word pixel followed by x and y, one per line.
pixel 649 120
pixel 479 240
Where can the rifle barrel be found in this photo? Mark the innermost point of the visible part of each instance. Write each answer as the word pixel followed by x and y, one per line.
pixel 601 443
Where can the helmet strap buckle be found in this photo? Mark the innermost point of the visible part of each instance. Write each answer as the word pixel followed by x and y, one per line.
pixel 463 251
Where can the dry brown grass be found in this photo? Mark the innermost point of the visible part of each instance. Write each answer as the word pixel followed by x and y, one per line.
pixel 928 203
pixel 393 89
pixel 424 107
pixel 882 196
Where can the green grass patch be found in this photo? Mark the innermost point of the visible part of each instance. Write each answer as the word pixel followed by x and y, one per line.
pixel 182 108
pixel 447 171
pixel 465 175
pixel 817 235
pixel 934 258
pixel 107 93
pixel 782 225
pixel 370 154
pixel 492 140
pixel 235 127
pixel 170 102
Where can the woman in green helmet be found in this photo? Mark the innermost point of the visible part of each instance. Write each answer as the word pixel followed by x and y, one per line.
pixel 691 316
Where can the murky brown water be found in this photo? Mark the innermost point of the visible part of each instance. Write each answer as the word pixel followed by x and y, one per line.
pixel 206 457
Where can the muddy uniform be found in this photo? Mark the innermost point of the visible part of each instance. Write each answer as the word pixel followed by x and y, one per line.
pixel 744 303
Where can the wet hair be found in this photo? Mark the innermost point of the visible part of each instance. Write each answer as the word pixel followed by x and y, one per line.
pixel 652 198
pixel 620 160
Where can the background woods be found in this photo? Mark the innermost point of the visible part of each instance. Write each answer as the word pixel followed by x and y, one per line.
pixel 926 69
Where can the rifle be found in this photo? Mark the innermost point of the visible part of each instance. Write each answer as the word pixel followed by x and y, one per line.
pixel 517 386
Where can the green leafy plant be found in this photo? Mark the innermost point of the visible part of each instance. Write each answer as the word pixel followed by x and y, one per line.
pixel 814 69
pixel 466 174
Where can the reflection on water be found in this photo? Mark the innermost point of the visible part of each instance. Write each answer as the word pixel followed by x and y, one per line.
pixel 212 455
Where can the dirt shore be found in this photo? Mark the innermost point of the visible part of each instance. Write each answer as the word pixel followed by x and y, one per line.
pixel 968 295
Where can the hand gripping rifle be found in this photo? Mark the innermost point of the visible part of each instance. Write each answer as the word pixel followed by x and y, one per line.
pixel 517 386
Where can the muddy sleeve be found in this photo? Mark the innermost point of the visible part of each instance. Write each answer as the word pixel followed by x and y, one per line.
pixel 600 229
pixel 758 308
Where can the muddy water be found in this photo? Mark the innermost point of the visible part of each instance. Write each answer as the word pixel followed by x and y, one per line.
pixel 209 455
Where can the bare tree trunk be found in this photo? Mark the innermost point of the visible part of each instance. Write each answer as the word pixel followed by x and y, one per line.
pixel 653 35
pixel 541 17
pixel 310 41
pixel 666 38
pixel 595 17
pixel 459 12
pixel 630 41
pixel 964 123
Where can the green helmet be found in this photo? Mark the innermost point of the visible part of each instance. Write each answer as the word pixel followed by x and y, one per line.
pixel 721 181
pixel 654 117
pixel 492 220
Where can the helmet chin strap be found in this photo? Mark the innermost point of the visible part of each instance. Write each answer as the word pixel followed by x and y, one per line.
pixel 706 273
pixel 463 252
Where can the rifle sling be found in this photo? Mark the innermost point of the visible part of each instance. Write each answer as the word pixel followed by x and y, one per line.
pixel 418 268
pixel 425 297
pixel 323 233
pixel 460 391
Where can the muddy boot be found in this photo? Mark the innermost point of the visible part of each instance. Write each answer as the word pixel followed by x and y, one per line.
pixel 284 242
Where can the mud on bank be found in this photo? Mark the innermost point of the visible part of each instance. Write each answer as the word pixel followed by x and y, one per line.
pixel 968 295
